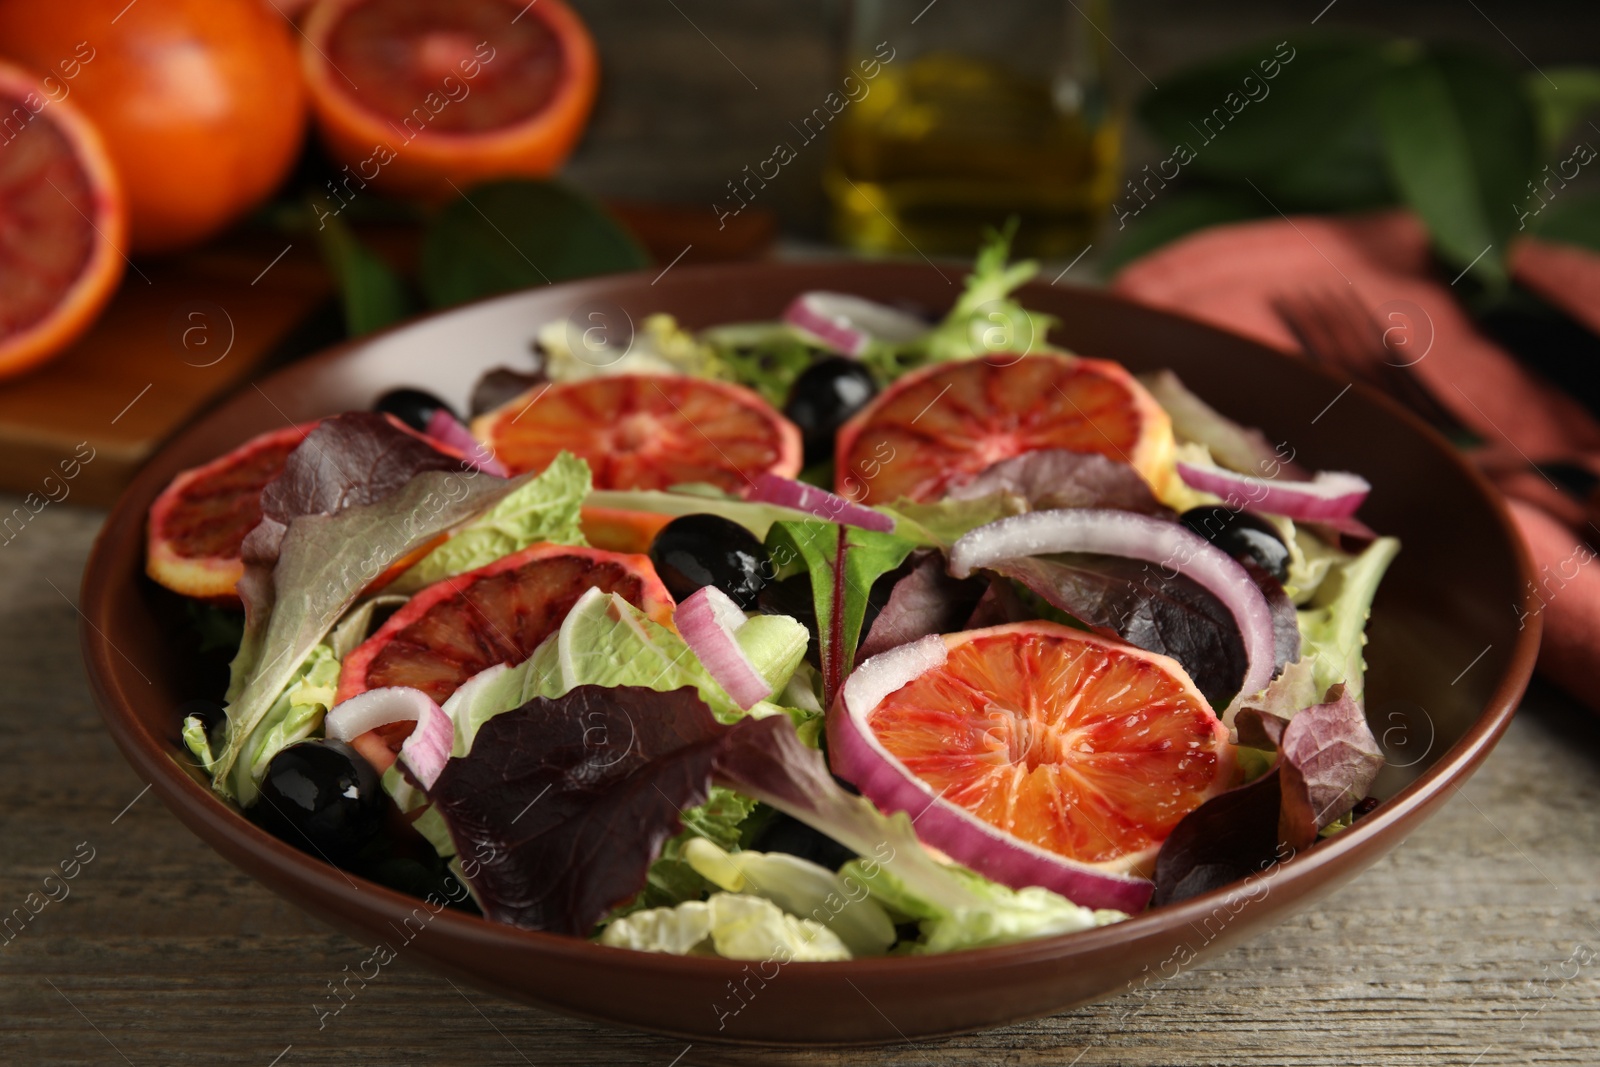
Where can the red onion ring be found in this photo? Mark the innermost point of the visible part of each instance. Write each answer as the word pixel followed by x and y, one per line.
pixel 855 753
pixel 424 752
pixel 1123 533
pixel 788 493
pixel 707 620
pixel 447 430
pixel 848 324
pixel 1328 496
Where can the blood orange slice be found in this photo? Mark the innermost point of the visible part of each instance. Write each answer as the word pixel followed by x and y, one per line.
pixel 646 431
pixel 430 97
pixel 199 521
pixel 939 426
pixel 498 613
pixel 1076 744
pixel 62 223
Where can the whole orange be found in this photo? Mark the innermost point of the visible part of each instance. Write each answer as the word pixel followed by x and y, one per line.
pixel 200 102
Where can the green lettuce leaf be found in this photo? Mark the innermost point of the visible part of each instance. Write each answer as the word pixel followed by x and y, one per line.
pixel 766 356
pixel 993 914
pixel 943 523
pixel 1332 628
pixel 757 518
pixel 843 562
pixel 544 509
pixel 984 320
pixel 604 640
pixel 672 880
pixel 324 564
pixel 575 349
pixel 731 925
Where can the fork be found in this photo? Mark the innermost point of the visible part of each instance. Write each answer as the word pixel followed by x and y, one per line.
pixel 1338 331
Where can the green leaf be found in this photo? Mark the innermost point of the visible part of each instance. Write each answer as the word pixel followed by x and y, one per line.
pixel 373 295
pixel 516 234
pixel 1459 135
pixel 1306 135
pixel 1573 221
pixel 1178 214
pixel 1562 97
pixel 843 561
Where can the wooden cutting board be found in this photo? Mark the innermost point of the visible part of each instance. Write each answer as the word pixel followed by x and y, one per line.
pixel 179 333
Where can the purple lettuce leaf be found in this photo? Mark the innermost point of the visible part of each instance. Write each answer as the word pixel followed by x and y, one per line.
pixel 1133 600
pixel 1327 760
pixel 1057 478
pixel 999 605
pixel 925 600
pixel 356 458
pixel 565 803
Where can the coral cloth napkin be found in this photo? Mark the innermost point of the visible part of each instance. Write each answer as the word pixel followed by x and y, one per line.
pixel 1234 275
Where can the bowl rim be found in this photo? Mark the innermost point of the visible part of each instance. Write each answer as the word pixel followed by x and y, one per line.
pixel 195 804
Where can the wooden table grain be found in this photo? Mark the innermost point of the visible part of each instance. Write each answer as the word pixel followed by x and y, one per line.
pixel 1475 943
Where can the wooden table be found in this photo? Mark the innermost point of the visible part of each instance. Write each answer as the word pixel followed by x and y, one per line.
pixel 1477 942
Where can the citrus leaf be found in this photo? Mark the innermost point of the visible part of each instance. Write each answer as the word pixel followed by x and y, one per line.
pixel 1562 97
pixel 1459 136
pixel 1305 131
pixel 1575 221
pixel 372 294
pixel 517 234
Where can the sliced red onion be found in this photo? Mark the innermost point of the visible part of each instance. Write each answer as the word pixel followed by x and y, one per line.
pixel 788 493
pixel 855 754
pixel 1172 547
pixel 424 752
pixel 848 324
pixel 447 430
pixel 708 621
pixel 1329 495
pixel 1239 448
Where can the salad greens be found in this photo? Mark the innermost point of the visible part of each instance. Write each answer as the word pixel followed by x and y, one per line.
pixel 608 786
pixel 545 508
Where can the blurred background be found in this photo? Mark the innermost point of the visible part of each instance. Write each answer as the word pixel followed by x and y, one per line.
pixel 195 191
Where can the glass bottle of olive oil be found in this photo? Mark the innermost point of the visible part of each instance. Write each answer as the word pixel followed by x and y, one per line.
pixel 976 112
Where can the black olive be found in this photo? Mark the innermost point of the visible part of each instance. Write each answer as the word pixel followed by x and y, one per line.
pixel 823 398
pixel 414 407
pixel 1240 535
pixel 694 551
pixel 323 798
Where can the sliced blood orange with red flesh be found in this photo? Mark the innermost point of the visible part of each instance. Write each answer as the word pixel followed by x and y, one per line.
pixel 498 613
pixel 1077 744
pixel 939 426
pixel 199 521
pixel 457 91
pixel 646 431
pixel 62 223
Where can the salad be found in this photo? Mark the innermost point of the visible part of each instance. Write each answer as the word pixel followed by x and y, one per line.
pixel 845 635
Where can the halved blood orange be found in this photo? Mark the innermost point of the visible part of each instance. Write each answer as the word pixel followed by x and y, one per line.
pixel 646 431
pixel 198 522
pixel 427 97
pixel 1077 744
pixel 63 223
pixel 938 426
pixel 498 613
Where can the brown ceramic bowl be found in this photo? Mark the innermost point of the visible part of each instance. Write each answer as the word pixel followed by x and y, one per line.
pixel 1448 665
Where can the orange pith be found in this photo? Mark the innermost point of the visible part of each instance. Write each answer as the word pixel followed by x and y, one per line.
pixel 61 222
pixel 646 431
pixel 934 428
pixel 1074 743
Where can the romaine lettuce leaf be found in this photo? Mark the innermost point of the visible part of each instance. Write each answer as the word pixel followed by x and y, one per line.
pixel 996 915
pixel 606 641
pixel 543 509
pixel 734 926
pixel 1332 628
